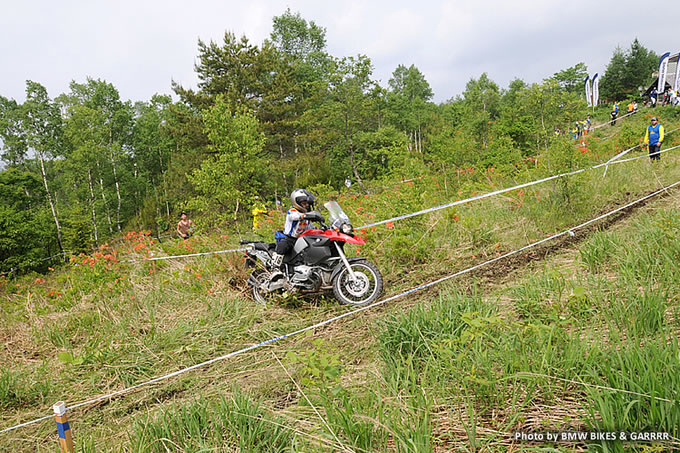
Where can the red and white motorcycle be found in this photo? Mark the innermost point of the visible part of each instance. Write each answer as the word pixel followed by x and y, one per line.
pixel 317 263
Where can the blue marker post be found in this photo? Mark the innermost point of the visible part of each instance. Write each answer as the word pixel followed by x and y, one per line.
pixel 65 438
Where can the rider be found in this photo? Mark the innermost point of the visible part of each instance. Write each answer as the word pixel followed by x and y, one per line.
pixel 303 203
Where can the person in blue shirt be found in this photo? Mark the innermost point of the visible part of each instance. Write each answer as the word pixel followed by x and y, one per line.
pixel 654 139
pixel 615 113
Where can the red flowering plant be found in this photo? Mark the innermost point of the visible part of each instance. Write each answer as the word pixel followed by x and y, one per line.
pixel 102 266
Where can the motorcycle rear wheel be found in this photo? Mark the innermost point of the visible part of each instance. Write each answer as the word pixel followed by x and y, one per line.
pixel 263 297
pixel 364 291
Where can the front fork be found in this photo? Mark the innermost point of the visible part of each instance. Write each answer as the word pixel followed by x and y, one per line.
pixel 344 260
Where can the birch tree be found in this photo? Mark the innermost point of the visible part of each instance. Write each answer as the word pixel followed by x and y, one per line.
pixel 41 128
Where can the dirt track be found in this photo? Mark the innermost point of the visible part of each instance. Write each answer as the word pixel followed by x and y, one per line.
pixel 501 269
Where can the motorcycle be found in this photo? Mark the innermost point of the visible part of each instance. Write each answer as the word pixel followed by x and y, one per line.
pixel 316 264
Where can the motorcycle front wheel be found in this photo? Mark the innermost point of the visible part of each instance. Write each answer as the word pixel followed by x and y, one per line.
pixel 363 290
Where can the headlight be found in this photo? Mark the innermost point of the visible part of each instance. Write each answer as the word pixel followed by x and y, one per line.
pixel 347 228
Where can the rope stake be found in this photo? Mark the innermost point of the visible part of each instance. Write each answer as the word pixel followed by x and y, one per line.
pixel 63 427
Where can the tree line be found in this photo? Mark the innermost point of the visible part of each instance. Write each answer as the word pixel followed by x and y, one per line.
pixel 85 165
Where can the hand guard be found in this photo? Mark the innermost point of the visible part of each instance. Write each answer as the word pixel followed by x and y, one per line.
pixel 314 216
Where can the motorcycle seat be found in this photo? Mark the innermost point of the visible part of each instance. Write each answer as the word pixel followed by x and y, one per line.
pixel 264 246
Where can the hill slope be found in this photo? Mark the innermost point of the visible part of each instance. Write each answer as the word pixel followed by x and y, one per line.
pixel 434 371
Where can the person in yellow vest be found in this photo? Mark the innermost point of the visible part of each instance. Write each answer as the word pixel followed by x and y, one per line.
pixel 630 107
pixel 259 211
pixel 654 139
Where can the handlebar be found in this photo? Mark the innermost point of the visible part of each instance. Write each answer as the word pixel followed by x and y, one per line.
pixel 314 216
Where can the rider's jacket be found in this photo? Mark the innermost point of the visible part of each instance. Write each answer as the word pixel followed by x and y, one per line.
pixel 295 224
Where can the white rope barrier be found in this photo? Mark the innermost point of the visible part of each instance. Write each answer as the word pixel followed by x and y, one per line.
pixel 624 152
pixel 23 266
pixel 158 258
pixel 500 191
pixel 347 314
pixel 645 156
pixel 609 122
pixel 436 208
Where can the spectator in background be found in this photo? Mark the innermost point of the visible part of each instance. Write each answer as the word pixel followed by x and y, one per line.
pixel 630 107
pixel 185 227
pixel 615 113
pixel 259 212
pixel 654 139
pixel 674 97
pixel 635 106
pixel 586 127
pixel 667 97
pixel 652 97
pixel 574 131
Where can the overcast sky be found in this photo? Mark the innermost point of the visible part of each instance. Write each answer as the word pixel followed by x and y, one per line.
pixel 140 46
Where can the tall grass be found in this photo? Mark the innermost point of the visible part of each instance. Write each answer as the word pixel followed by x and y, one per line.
pixel 643 388
pixel 18 390
pixel 362 418
pixel 599 250
pixel 125 323
pixel 226 424
pixel 541 296
pixel 415 333
pixel 458 344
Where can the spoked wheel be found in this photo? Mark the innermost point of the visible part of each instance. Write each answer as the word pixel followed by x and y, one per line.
pixel 364 289
pixel 262 296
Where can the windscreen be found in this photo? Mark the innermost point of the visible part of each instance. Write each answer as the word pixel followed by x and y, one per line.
pixel 336 215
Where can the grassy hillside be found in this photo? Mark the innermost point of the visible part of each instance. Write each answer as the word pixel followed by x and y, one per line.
pixel 525 346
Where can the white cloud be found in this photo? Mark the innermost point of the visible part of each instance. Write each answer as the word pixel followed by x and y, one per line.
pixel 399 33
pixel 139 45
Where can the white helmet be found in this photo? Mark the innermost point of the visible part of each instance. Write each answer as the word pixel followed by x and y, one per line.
pixel 300 195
